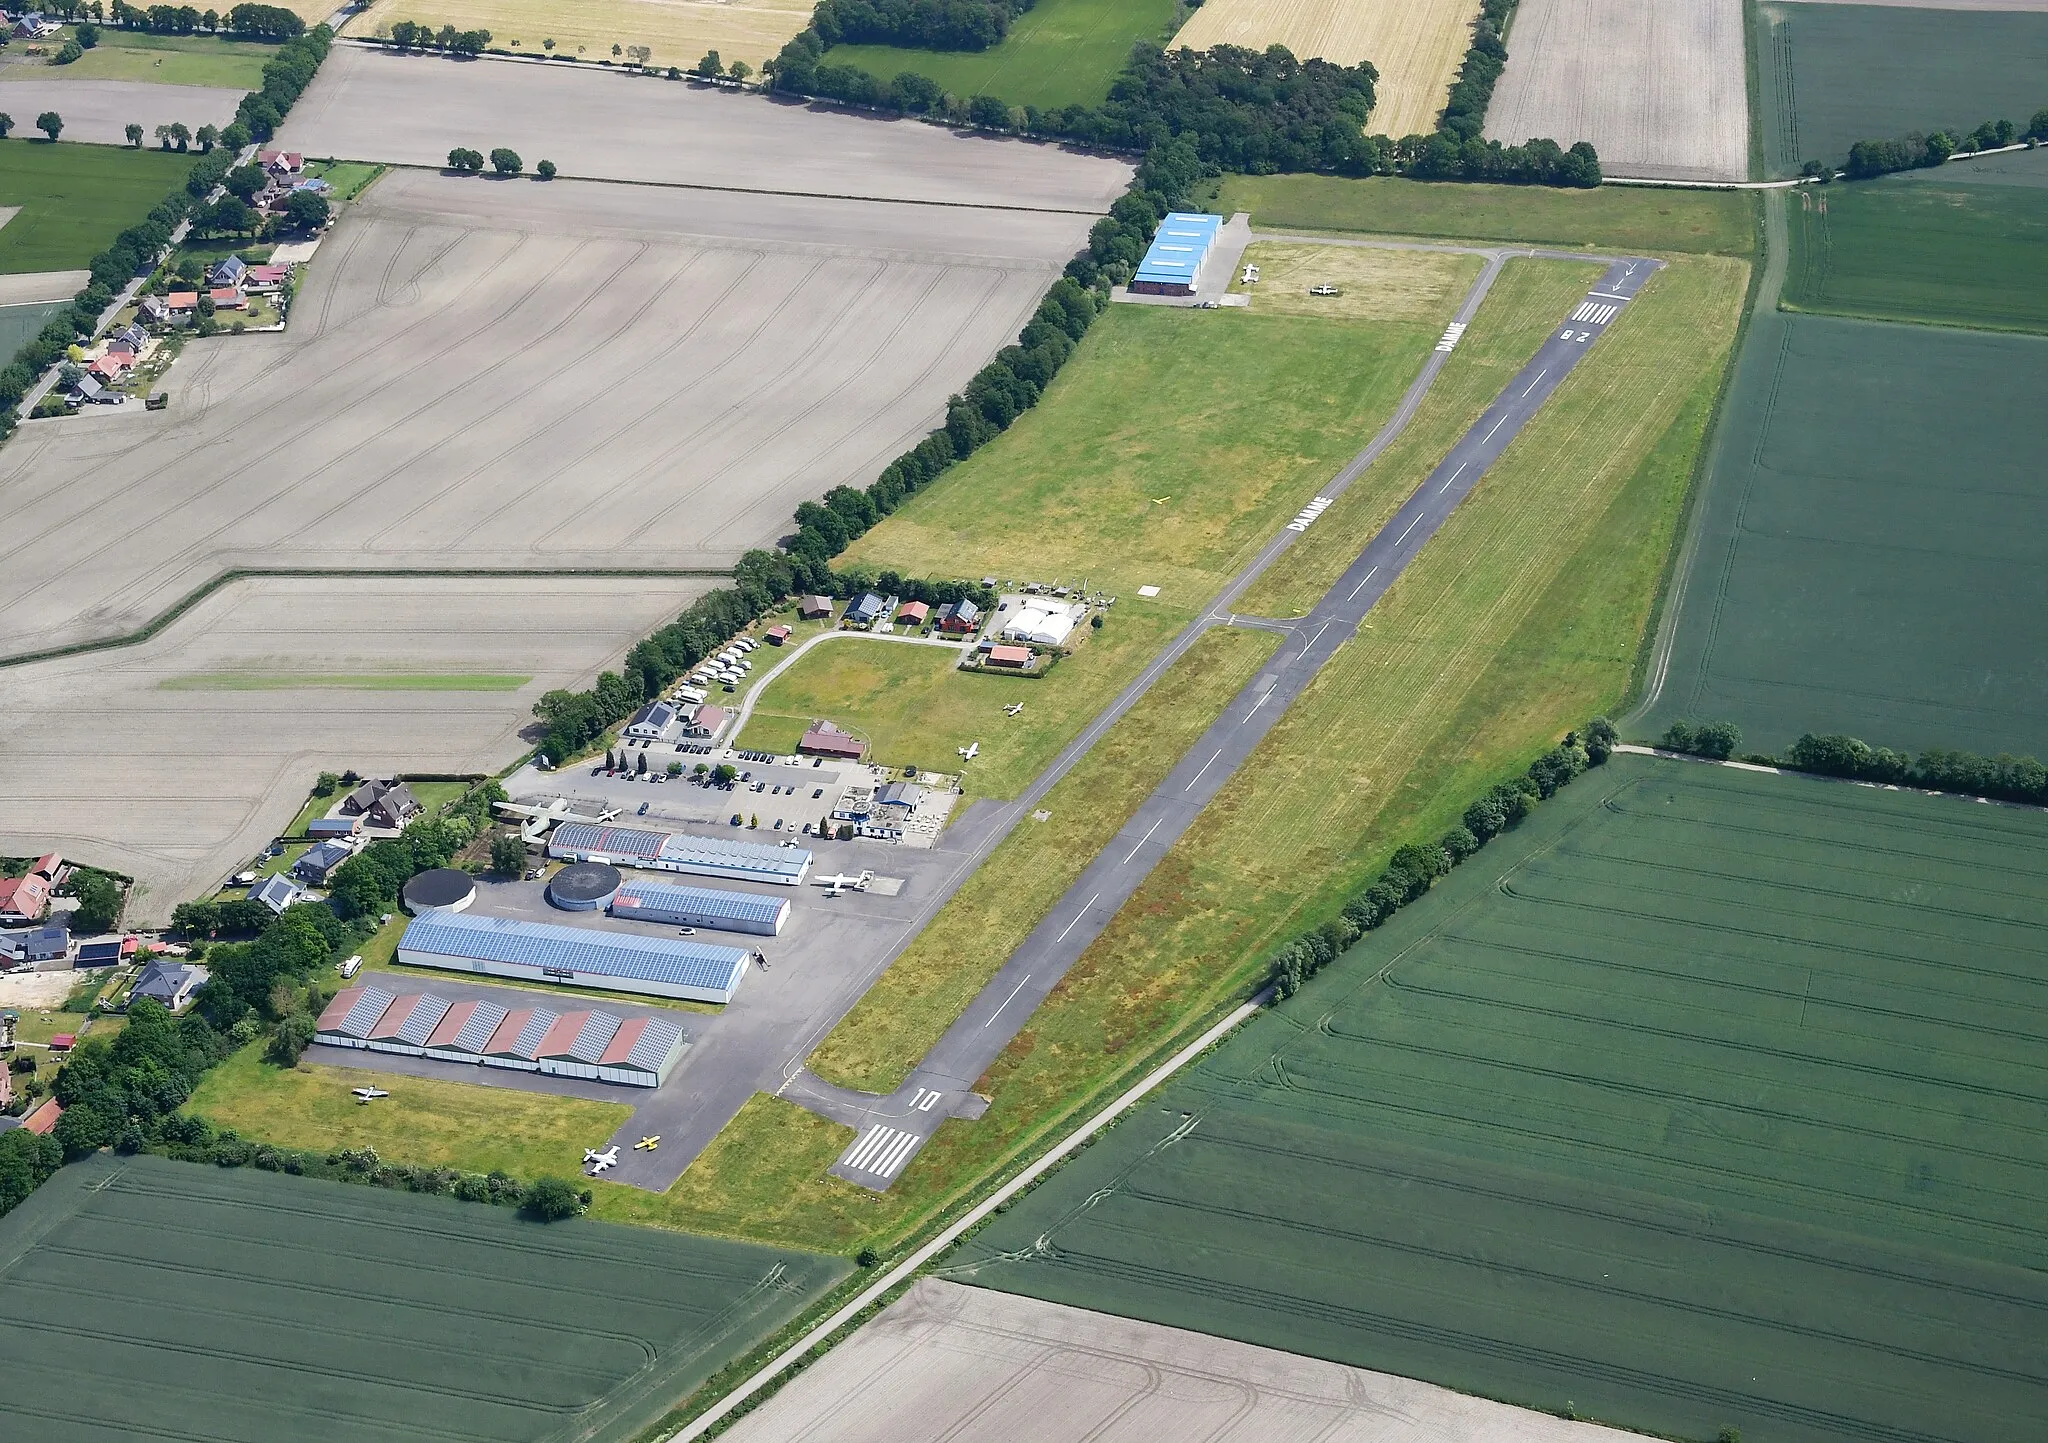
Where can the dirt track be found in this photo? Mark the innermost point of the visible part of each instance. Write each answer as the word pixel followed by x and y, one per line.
pixel 1659 89
pixel 520 375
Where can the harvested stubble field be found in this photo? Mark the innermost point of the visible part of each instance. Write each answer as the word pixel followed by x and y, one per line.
pixel 1831 75
pixel 1057 53
pixel 1661 91
pixel 1866 557
pixel 184 1301
pixel 1706 1099
pixel 179 787
pixel 1523 617
pixel 1964 245
pixel 99 111
pixel 947 1361
pixel 678 32
pixel 1636 220
pixel 409 110
pixel 1415 45
pixel 1174 445
pixel 470 380
pixel 914 705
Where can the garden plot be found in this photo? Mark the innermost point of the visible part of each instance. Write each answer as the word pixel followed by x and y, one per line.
pixel 100 111
pixel 177 760
pixel 411 110
pixel 526 376
pixel 1711 1101
pixel 966 1364
pixel 1415 45
pixel 1660 90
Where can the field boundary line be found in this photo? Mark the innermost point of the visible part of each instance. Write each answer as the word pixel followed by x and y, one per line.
pixel 157 624
pixel 954 1231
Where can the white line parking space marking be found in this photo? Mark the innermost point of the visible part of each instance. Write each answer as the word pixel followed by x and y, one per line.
pixel 1450 337
pixel 879 1151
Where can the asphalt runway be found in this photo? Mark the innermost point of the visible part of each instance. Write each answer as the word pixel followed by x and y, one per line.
pixel 892 1128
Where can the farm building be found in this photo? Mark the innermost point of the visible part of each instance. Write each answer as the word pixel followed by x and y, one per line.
pixel 1173 264
pixel 678 852
pixel 826 740
pixel 701 907
pixel 635 1051
pixel 547 952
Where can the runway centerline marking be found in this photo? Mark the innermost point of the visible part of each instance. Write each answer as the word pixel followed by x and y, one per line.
pixel 1446 485
pixel 1075 923
pixel 1147 837
pixel 1361 585
pixel 1534 379
pixel 1205 767
pixel 1015 990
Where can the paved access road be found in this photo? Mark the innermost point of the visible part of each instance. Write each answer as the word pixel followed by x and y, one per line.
pixel 893 1128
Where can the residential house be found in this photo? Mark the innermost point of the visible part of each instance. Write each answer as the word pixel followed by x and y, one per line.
pixel 959 617
pixel 382 804
pixel 27 897
pixel 281 162
pixel 866 610
pixel 319 862
pixel 130 338
pixel 706 722
pixel 35 26
pixel 228 298
pixel 181 306
pixel 112 366
pixel 44 944
pixel 814 608
pixel 276 893
pixel 266 280
pixel 171 983
pixel 88 391
pixel 913 613
pixel 228 274
pixel 155 310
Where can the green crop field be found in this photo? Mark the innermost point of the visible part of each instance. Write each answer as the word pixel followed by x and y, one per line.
pixel 1831 75
pixel 1947 245
pixel 1865 557
pixel 161 59
pixel 1707 1099
pixel 181 1301
pixel 21 324
pixel 1058 53
pixel 1172 446
pixel 1617 217
pixel 75 199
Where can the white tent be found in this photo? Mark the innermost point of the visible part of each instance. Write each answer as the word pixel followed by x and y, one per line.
pixel 1040 625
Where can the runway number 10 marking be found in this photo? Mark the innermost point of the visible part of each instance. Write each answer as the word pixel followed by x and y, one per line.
pixel 926 1099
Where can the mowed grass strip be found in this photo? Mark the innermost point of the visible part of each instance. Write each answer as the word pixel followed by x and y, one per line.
pixel 1550 570
pixel 351 681
pixel 1171 448
pixel 1920 249
pixel 162 59
pixel 1057 53
pixel 425 1121
pixel 1385 284
pixel 916 707
pixel 242 1306
pixel 1527 301
pixel 1612 217
pixel 1706 1099
pixel 678 34
pixel 1415 45
pixel 75 199
pixel 899 1019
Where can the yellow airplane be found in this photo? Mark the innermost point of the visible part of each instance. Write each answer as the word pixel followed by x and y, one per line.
pixel 647 1144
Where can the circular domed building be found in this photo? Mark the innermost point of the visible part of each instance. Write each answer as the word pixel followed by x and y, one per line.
pixel 584 886
pixel 444 889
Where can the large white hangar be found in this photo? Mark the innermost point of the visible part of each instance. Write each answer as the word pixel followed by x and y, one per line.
pixel 701 907
pixel 677 852
pixel 546 952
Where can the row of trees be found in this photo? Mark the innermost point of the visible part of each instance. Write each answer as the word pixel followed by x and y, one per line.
pixel 249 21
pixel 406 35
pixel 920 24
pixel 1868 158
pixel 1415 868
pixel 50 123
pixel 504 162
pixel 178 136
pixel 285 79
pixel 1464 115
pixel 2002 778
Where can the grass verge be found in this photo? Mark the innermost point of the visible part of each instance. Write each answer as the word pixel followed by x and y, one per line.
pixel 1632 218
pixel 903 1014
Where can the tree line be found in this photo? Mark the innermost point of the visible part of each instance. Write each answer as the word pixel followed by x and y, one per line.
pixel 407 35
pixel 248 21
pixel 1870 158
pixel 1416 867
pixel 2003 778
pixel 919 24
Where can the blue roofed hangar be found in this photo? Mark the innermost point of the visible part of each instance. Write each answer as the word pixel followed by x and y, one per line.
pixel 1173 264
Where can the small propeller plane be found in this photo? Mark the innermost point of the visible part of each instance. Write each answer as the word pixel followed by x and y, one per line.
pixel 1015 708
pixel 367 1095
pixel 970 751
pixel 648 1144
pixel 599 1161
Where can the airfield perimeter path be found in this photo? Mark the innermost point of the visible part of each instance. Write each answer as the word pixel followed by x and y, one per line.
pixel 892 1129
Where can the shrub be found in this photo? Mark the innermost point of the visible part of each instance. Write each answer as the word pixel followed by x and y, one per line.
pixel 550 1199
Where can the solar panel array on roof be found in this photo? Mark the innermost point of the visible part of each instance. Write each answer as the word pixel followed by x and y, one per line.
pixel 355 1025
pixel 1178 248
pixel 420 1023
pixel 679 852
pixel 546 952
pixel 604 843
pixel 518 1039
pixel 701 907
pixel 467 1027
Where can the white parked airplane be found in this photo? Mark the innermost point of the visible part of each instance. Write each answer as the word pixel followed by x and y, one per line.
pixel 1015 708
pixel 1324 291
pixel 841 883
pixel 970 751
pixel 367 1095
pixel 555 811
pixel 599 1161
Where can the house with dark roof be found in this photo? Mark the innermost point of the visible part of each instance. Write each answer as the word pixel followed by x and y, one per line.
pixel 958 617
pixel 319 862
pixel 171 983
pixel 228 274
pixel 382 804
pixel 276 893
pixel 155 310
pixel 652 721
pixel 826 740
pixel 45 944
pixel 812 608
